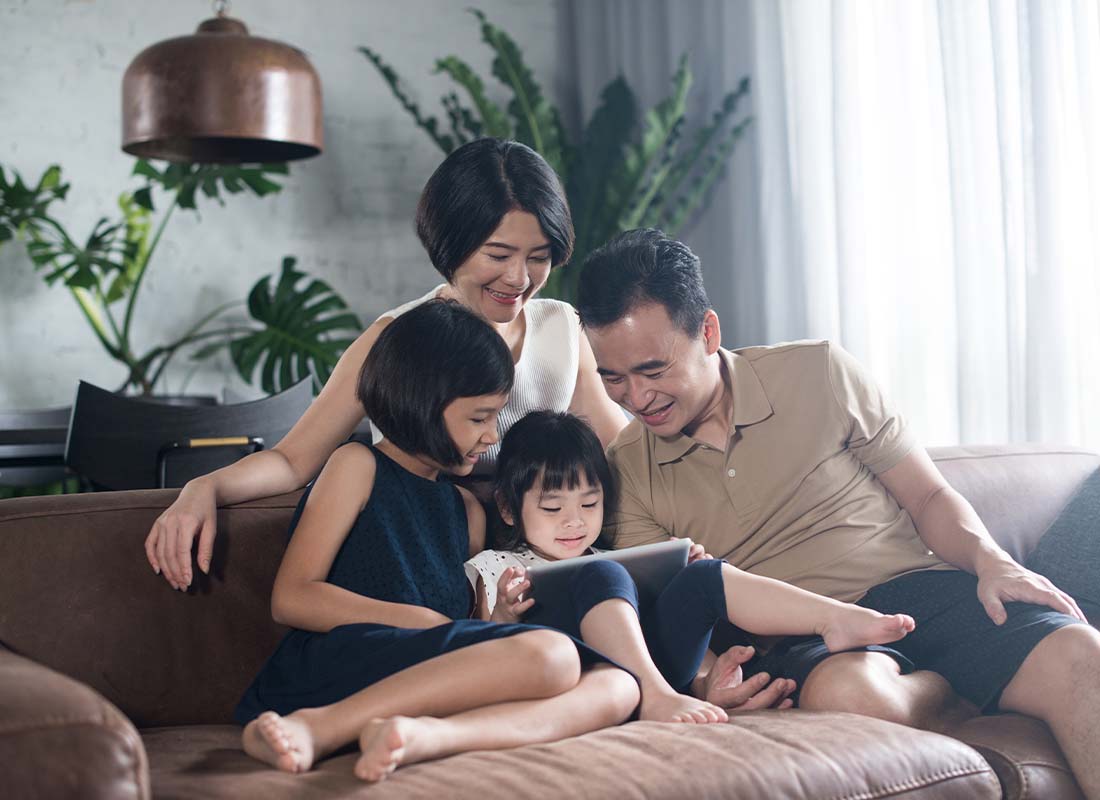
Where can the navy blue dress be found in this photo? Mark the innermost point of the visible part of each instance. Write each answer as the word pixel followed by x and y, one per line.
pixel 408 545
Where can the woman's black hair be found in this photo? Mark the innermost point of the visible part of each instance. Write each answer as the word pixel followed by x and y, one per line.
pixel 475 186
pixel 557 449
pixel 422 361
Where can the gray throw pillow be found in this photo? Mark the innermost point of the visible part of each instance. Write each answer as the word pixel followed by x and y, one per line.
pixel 1069 552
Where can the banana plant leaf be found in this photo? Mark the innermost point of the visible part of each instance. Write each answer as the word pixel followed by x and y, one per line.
pixel 537 123
pixel 306 326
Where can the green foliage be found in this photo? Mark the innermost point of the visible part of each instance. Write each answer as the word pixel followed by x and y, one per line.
pixel 618 175
pixel 109 266
pixel 304 326
pixel 24 208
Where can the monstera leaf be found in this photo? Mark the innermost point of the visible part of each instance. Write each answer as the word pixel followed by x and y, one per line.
pixel 306 326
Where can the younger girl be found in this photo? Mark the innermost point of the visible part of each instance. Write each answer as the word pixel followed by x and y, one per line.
pixel 553 486
pixel 372 584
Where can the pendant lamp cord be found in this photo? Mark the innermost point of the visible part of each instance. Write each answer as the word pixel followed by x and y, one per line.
pixel 221 7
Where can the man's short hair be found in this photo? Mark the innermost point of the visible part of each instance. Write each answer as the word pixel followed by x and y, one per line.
pixel 475 186
pixel 638 267
pixel 429 356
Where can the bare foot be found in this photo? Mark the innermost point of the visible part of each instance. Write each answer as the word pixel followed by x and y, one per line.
pixel 673 707
pixel 386 744
pixel 853 626
pixel 283 742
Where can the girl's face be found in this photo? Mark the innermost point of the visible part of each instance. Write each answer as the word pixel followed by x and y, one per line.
pixel 471 423
pixel 509 267
pixel 562 523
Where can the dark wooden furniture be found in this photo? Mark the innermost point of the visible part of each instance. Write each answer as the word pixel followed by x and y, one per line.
pixel 120 442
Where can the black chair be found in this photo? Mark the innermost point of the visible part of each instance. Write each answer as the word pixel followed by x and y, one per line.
pixel 32 447
pixel 118 442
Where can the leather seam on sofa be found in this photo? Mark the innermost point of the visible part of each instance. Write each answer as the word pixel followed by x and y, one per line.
pixel 56 722
pixel 118 509
pixel 1020 454
pixel 918 783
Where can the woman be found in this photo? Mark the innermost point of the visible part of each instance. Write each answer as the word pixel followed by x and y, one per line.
pixel 495 221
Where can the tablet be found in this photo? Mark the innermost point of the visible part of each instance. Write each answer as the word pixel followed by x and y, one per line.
pixel 651 566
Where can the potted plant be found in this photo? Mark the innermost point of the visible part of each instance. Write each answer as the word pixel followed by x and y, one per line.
pixel 618 174
pixel 299 326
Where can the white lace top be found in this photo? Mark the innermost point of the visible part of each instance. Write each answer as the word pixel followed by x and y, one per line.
pixel 546 373
pixel 489 564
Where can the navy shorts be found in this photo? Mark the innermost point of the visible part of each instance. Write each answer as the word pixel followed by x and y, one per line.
pixel 954 636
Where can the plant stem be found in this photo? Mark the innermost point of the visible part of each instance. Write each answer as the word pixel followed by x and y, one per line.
pixel 169 351
pixel 91 313
pixel 132 302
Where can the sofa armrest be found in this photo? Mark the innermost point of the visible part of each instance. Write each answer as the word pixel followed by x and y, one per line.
pixel 61 739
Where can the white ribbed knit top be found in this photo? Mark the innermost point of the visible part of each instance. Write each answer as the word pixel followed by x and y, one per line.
pixel 546 372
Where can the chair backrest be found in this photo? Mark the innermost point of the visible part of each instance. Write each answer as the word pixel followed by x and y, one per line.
pixel 32 463
pixel 118 442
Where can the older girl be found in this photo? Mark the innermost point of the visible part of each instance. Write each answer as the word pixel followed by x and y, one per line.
pixel 382 647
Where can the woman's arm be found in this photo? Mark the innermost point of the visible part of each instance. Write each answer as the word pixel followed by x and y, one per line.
pixel 590 401
pixel 302 597
pixel 290 465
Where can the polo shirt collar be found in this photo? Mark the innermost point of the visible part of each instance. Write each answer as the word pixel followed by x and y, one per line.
pixel 750 405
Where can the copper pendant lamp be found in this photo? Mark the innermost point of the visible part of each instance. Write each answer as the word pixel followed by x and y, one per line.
pixel 221 96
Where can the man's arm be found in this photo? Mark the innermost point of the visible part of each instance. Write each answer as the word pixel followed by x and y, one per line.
pixel 950 527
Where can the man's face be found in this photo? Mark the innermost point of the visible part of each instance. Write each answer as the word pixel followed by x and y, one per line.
pixel 655 370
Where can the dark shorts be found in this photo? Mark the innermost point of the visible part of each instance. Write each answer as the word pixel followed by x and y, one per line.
pixel 954 636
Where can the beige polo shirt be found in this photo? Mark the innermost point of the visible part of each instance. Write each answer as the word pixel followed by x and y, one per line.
pixel 794 495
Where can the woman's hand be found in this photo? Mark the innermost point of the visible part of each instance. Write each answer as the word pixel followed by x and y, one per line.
pixel 168 545
pixel 511 603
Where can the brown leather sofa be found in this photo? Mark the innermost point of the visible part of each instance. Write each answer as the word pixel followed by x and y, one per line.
pixel 114 686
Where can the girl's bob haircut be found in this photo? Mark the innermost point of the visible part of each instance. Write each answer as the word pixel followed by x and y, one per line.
pixel 557 450
pixel 423 360
pixel 475 186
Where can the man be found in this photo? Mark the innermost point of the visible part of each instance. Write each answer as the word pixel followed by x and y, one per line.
pixel 787 461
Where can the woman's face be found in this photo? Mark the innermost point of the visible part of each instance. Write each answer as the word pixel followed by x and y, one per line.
pixel 509 267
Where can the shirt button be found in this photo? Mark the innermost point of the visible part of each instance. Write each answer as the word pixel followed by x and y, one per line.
pixel 731 472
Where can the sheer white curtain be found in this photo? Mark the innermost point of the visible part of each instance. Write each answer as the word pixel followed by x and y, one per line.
pixel 926 187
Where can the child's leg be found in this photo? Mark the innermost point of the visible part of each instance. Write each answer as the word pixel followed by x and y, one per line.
pixel 604 696
pixel 606 602
pixel 683 619
pixel 773 608
pixel 530 665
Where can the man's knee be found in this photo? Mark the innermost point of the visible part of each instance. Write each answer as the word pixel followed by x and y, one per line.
pixel 860 683
pixel 1055 673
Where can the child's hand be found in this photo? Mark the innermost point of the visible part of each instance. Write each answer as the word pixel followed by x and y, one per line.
pixel 697 553
pixel 511 604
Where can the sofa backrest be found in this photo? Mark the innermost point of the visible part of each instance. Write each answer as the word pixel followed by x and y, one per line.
pixel 77 594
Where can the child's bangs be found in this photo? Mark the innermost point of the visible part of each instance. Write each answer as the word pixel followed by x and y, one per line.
pixel 564 472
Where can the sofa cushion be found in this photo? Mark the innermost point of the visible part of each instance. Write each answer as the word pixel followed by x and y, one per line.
pixel 1023 752
pixel 762 755
pixel 1017 489
pixel 60 739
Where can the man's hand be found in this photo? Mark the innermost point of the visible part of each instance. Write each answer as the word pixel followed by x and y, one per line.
pixel 725 686
pixel 1003 580
pixel 511 603
pixel 697 553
